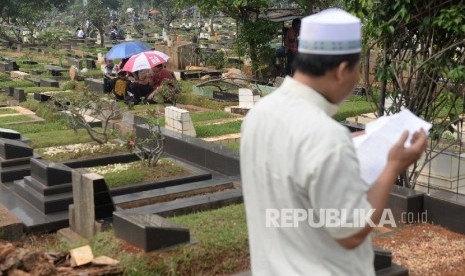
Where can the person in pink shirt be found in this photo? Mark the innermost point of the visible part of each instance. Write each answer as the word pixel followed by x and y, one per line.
pixel 159 76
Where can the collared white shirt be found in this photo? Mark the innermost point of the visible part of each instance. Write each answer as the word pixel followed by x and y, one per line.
pixel 295 156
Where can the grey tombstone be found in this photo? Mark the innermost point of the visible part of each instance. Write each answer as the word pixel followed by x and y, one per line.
pixel 92 201
pixel 75 62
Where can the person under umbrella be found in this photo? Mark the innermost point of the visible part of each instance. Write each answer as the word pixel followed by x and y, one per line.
pixel 160 77
pixel 153 60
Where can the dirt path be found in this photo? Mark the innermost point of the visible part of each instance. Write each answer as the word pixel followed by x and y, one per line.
pixel 424 249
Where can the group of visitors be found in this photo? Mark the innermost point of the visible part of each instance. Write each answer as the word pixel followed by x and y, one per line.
pixel 135 87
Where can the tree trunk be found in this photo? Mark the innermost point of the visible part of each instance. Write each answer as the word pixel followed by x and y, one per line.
pixel 212 30
pixel 102 39
pixel 254 58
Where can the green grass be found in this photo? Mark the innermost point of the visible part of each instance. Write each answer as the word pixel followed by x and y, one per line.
pixel 58 138
pixel 92 149
pixel 217 130
pixel 353 108
pixel 4 77
pixel 7 111
pixel 40 89
pixel 38 128
pixel 192 99
pixel 138 172
pixel 18 83
pixel 210 115
pixel 14 119
pixel 221 248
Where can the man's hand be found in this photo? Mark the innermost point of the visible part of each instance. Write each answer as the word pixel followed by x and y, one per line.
pixel 358 133
pixel 400 157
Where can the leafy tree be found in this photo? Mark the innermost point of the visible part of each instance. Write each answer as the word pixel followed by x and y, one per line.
pixel 79 105
pixel 19 15
pixel 419 61
pixel 255 32
pixel 96 12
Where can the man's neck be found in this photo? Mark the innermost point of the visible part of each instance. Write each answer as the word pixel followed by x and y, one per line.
pixel 319 84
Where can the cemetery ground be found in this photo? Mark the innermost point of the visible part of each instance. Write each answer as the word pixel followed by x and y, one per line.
pixel 221 245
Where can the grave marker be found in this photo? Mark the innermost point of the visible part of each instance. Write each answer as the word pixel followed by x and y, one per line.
pixel 179 120
pixel 147 231
pixel 92 201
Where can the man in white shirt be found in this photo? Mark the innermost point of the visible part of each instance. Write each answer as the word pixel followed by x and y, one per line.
pixel 298 163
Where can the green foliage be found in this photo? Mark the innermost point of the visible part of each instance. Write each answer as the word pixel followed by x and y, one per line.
pixel 50 39
pixel 420 60
pixel 69 85
pixel 216 59
pixel 4 77
pixel 25 14
pixel 169 91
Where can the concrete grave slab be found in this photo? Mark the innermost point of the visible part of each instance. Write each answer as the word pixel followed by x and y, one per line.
pixel 19 75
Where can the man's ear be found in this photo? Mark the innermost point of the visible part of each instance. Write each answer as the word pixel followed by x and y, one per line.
pixel 341 71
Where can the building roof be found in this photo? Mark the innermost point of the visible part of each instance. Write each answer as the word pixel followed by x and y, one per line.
pixel 281 15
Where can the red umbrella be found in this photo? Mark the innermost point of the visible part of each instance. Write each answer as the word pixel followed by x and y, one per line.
pixel 145 60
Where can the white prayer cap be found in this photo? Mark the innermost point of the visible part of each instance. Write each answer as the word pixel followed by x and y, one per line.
pixel 330 32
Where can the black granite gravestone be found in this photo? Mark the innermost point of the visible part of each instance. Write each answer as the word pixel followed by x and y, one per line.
pixel 9 134
pixel 14 160
pixel 48 188
pixel 95 85
pixel 55 70
pixel 49 83
pixel 11 149
pixel 35 81
pixel 19 95
pixel 90 63
pixel 17 91
pixel 10 91
pixel 41 97
pixel 149 232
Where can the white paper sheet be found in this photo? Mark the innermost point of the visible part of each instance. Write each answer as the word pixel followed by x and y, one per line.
pixel 380 135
